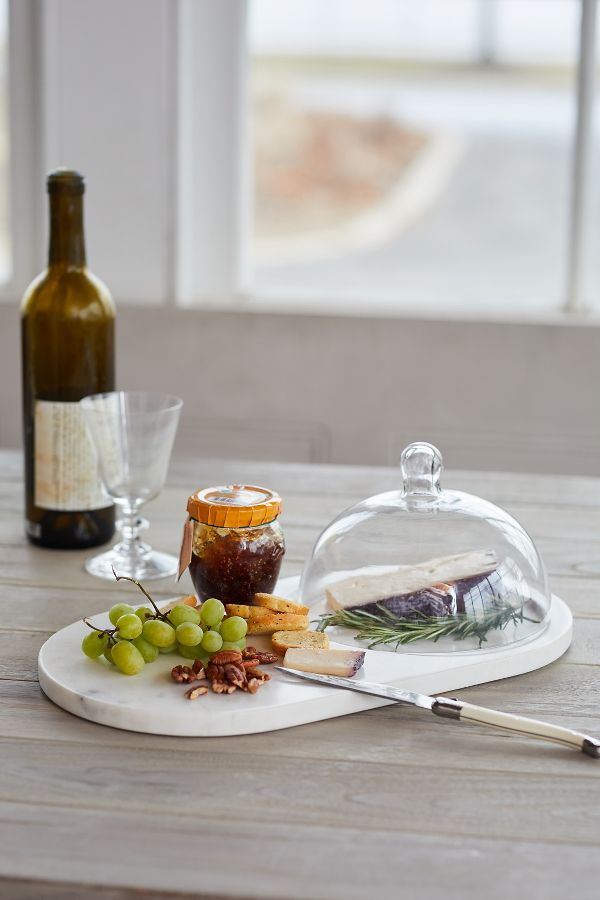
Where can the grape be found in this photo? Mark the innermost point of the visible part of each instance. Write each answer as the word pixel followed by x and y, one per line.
pixel 129 626
pixel 118 610
pixel 148 651
pixel 170 649
pixel 183 613
pixel 193 653
pixel 189 634
pixel 94 644
pixel 159 633
pixel 234 645
pixel 127 658
pixel 212 611
pixel 108 654
pixel 212 642
pixel 234 628
pixel 142 612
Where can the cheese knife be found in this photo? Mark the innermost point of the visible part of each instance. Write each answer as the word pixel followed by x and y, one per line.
pixel 451 708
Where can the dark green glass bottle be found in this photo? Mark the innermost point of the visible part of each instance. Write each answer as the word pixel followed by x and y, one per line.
pixel 67 318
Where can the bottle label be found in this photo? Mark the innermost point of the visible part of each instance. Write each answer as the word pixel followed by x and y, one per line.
pixel 66 471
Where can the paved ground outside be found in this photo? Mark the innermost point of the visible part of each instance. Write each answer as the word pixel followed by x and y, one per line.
pixel 495 238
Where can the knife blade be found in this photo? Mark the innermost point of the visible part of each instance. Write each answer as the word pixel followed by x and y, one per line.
pixel 366 687
pixel 451 708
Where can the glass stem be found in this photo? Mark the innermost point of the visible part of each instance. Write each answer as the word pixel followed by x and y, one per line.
pixel 131 523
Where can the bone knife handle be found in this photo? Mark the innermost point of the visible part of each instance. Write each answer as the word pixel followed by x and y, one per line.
pixel 451 708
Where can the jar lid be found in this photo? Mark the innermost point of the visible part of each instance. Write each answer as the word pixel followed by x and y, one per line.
pixel 234 506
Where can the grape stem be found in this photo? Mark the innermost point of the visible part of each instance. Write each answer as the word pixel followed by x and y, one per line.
pixel 158 615
pixel 109 632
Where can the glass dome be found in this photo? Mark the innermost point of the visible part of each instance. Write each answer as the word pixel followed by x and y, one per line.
pixel 427 570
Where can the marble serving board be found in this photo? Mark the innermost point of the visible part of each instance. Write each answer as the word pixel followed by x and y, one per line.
pixel 151 702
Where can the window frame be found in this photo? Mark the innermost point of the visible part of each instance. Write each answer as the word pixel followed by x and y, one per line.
pixel 25 208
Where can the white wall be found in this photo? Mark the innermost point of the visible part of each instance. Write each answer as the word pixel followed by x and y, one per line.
pixel 356 390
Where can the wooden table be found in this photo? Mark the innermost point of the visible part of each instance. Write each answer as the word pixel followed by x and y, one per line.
pixel 387 803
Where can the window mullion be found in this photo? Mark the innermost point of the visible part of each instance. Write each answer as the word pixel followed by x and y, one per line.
pixel 213 195
pixel 586 76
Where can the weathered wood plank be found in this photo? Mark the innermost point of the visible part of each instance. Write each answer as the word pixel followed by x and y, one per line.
pixel 349 791
pixel 315 511
pixel 18 654
pixel 30 889
pixel 582 594
pixel 229 858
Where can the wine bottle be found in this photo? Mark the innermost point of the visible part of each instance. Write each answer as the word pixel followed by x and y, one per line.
pixel 67 330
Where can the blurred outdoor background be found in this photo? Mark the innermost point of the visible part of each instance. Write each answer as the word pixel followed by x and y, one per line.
pixel 415 152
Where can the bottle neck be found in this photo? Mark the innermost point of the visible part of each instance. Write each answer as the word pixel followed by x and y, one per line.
pixel 67 242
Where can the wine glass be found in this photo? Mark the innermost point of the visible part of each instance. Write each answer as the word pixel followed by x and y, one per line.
pixel 133 434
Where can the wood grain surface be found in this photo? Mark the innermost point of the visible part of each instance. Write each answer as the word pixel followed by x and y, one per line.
pixel 386 803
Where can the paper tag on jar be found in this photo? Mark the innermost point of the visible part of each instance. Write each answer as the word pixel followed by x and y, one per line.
pixel 185 554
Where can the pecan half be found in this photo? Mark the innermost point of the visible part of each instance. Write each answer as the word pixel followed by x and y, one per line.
pixel 263 656
pixel 257 675
pixel 198 669
pixel 183 674
pixel 196 692
pixel 214 672
pixel 221 687
pixel 250 663
pixel 235 675
pixel 253 685
pixel 226 656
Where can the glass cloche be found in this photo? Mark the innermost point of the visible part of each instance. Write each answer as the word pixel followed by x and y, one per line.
pixel 427 570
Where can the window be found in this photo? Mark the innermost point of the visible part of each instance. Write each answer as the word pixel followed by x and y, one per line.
pixel 348 156
pixel 414 156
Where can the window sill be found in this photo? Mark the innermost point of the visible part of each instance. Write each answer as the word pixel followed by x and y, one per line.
pixel 293 304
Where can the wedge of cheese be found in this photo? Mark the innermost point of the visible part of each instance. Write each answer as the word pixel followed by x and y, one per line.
pixel 439 573
pixel 345 663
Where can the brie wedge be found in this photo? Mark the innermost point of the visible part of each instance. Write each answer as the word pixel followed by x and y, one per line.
pixel 361 590
pixel 324 662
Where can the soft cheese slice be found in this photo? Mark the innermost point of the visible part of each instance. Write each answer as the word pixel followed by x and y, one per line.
pixel 363 589
pixel 324 662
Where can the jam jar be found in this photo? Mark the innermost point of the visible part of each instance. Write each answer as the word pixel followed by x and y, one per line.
pixel 233 542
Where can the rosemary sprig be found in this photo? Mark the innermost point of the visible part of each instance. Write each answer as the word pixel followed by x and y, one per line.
pixel 384 627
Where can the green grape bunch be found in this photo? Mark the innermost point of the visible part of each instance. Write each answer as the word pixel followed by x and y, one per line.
pixel 139 636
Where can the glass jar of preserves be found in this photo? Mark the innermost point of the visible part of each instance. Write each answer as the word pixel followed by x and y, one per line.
pixel 233 542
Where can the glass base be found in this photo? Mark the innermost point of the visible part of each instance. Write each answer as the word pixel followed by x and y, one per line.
pixel 146 566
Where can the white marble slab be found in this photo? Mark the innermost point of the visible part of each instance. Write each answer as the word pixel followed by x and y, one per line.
pixel 151 702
